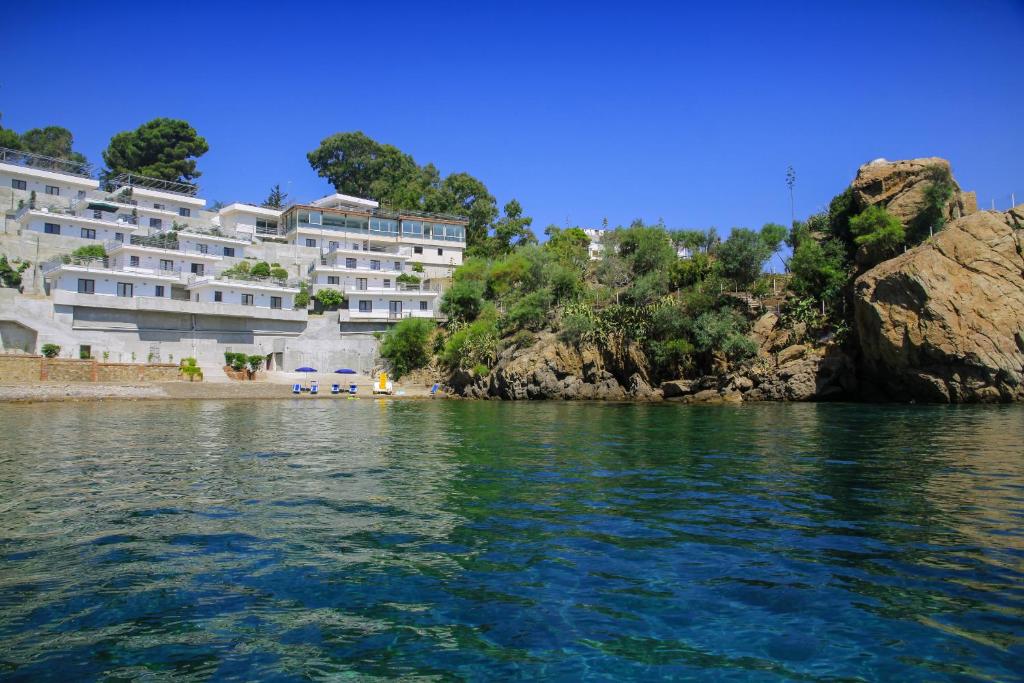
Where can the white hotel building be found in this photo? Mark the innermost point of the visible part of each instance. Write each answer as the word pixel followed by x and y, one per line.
pixel 162 283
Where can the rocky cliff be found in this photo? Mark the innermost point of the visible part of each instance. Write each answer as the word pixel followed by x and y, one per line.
pixel 902 187
pixel 944 321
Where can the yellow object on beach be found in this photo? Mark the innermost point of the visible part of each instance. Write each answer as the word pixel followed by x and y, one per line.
pixel 383 381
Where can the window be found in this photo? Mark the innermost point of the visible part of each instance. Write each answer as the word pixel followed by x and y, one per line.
pixel 218 296
pixel 88 234
pixel 119 237
pixel 53 189
pixel 203 248
pixel 395 309
pixel 350 263
pixel 361 284
pixel 423 305
pixel 51 229
pixel 86 286
pixel 247 299
pixel 229 251
pixel 417 250
pixel 398 265
pixel 387 283
pixel 133 261
pixel 310 242
pixel 158 207
pixel 197 269
pixel 166 264
pixel 81 194
pixel 85 351
pixel 275 302
pixel 160 290
pixel 365 306
pixel 184 212
pixel 18 184
pixel 440 252
pixel 156 222
pixel 333 280
pixel 315 218
pixel 97 214
pixel 125 289
pixel 374 264
pixel 331 246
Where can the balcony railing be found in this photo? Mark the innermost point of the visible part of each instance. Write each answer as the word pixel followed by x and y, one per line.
pixel 45 163
pixel 133 180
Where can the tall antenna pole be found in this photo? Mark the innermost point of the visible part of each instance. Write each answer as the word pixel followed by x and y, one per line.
pixel 790 182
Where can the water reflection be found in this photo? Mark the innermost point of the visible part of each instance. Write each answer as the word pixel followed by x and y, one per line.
pixel 309 538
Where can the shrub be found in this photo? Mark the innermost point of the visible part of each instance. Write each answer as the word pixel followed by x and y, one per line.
pixel 464 300
pixel 9 275
pixel 530 312
pixel 481 370
pixel 261 269
pixel 91 251
pixel 84 354
pixel 417 267
pixel 278 273
pixel 255 363
pixel 329 298
pixel 878 230
pixel 51 350
pixel 190 369
pixel 472 344
pixel 405 345
pixel 302 298
pixel 743 255
pixel 237 361
pixel 723 331
pixel 407 279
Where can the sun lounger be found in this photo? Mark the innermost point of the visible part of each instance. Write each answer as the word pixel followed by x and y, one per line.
pixel 314 387
pixel 335 388
pixel 296 388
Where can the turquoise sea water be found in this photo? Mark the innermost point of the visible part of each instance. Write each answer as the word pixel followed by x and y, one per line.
pixel 291 540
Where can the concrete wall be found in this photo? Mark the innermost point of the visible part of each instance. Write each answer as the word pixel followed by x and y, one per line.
pixel 16 337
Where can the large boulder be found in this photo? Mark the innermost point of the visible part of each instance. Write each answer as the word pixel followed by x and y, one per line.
pixel 901 187
pixel 944 322
pixel 553 369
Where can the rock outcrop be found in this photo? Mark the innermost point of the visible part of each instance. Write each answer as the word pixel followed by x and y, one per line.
pixel 552 369
pixel 901 187
pixel 944 322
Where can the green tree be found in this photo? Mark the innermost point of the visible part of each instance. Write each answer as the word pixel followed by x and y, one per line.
pixel 464 300
pixel 406 346
pixel 742 256
pixel 302 298
pixel 329 298
pixel 162 148
pixel 818 269
pixel 357 165
pixel 9 138
pixel 261 269
pixel 276 199
pixel 51 141
pixel 878 231
pixel 91 251
pixel 464 195
pixel 773 235
pixel 10 275
pixel 513 229
pixel 570 246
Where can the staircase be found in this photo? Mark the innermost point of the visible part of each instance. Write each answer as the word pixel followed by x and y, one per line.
pixel 213 372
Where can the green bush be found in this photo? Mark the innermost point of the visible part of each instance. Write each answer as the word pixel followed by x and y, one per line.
pixel 407 279
pixel 878 230
pixel 255 363
pixel 530 312
pixel 302 298
pixel 84 354
pixel 472 344
pixel 9 275
pixel 464 300
pixel 406 345
pixel 237 361
pixel 278 273
pixel 329 298
pixel 723 331
pixel 417 267
pixel 51 350
pixel 190 369
pixel 91 251
pixel 742 256
pixel 261 269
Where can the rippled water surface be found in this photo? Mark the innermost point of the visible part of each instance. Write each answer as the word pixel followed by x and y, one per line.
pixel 309 539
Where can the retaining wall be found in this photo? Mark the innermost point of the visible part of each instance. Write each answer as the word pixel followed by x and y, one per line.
pixel 26 369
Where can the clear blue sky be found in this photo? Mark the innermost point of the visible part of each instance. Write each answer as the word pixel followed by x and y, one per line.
pixel 581 111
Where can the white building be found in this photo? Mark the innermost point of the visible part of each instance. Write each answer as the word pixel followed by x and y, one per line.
pixel 596 248
pixel 251 220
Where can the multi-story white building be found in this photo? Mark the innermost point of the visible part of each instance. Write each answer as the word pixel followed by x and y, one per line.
pixel 168 277
pixel 596 248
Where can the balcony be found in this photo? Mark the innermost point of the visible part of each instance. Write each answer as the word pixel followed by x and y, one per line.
pixel 348 315
pixel 165 305
pixel 44 163
pixel 158 184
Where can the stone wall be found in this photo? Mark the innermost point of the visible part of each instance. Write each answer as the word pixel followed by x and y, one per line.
pixel 25 369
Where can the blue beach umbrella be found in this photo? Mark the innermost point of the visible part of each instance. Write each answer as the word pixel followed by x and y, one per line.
pixel 345 371
pixel 305 369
